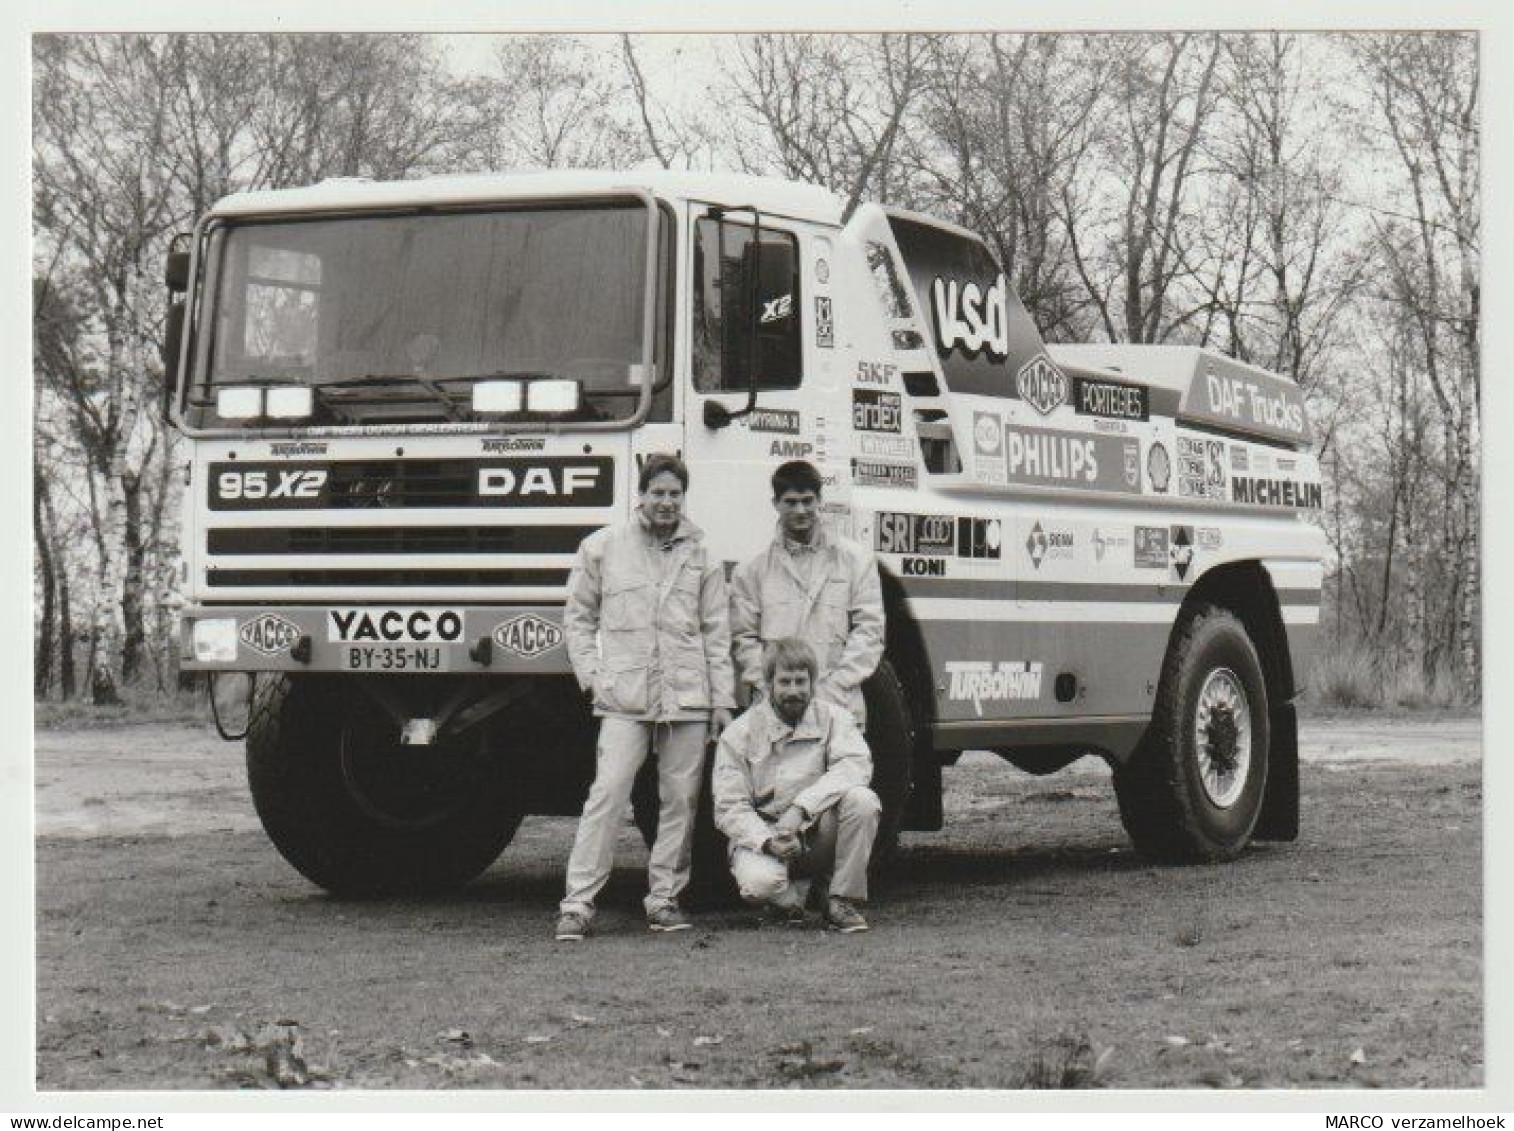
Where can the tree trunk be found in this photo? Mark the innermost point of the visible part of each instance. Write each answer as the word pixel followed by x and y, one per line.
pixel 42 671
pixel 134 630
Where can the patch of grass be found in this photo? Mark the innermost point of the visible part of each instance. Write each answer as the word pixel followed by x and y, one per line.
pixel 1352 677
pixel 1065 1060
pixel 140 705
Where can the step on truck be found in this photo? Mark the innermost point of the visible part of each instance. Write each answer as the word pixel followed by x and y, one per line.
pixel 407 403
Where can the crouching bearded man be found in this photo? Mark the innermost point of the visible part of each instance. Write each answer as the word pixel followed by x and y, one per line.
pixel 791 794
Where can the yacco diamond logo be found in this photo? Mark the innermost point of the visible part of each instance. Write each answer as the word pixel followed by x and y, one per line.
pixel 527 635
pixel 1035 545
pixel 269 634
pixel 1182 550
pixel 1041 384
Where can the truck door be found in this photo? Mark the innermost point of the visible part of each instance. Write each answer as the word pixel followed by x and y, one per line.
pixel 732 322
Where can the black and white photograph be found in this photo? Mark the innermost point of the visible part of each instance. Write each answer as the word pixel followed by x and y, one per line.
pixel 635 562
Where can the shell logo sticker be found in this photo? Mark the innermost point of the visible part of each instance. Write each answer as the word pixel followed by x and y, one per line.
pixel 528 635
pixel 269 634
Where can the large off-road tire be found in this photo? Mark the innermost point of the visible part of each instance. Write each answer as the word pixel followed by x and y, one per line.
pixel 1193 789
pixel 356 812
pixel 891 738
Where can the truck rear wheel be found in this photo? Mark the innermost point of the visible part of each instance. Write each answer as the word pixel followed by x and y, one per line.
pixel 356 812
pixel 891 739
pixel 1193 789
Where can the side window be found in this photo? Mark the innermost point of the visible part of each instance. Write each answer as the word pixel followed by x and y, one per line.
pixel 282 308
pixel 723 322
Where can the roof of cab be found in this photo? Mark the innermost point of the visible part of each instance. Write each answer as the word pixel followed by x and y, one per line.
pixel 770 194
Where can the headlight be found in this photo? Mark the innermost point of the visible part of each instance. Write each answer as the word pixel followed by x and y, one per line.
pixel 215 640
pixel 497 396
pixel 239 403
pixel 552 396
pixel 290 404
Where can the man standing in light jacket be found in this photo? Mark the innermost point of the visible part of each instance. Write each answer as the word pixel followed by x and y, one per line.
pixel 661 673
pixel 813 584
pixel 791 794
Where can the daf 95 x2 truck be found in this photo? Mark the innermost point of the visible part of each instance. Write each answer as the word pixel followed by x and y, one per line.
pixel 407 403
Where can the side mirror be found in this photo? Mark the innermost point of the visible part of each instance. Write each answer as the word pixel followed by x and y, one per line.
pixel 716 415
pixel 176 271
pixel 173 339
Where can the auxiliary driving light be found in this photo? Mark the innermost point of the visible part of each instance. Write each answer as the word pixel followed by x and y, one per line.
pixel 498 396
pixel 291 403
pixel 215 640
pixel 239 403
pixel 552 396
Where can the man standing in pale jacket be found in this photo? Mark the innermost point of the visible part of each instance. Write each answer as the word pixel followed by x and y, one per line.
pixel 660 673
pixel 813 584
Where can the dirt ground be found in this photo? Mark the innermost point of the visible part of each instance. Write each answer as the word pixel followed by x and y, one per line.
pixel 1023 946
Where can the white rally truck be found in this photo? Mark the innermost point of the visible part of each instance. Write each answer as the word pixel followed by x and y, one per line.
pixel 407 403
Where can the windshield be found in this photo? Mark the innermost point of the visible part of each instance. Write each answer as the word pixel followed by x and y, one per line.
pixel 394 317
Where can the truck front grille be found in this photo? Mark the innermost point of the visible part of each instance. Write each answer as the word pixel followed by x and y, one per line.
pixel 398 540
pixel 412 577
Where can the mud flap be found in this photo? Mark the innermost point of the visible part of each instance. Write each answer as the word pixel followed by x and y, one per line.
pixel 1279 818
pixel 923 813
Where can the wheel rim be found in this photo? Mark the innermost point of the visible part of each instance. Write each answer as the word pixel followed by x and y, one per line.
pixel 1222 736
pixel 404 787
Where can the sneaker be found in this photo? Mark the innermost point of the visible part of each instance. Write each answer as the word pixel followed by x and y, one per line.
pixel 784 915
pixel 841 916
pixel 668 918
pixel 572 926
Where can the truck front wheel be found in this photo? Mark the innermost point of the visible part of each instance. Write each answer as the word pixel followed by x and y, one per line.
pixel 1193 789
pixel 357 812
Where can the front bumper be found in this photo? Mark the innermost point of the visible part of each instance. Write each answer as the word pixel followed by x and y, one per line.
pixel 421 638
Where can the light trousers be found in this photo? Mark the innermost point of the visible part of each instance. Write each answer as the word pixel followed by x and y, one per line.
pixel 622 748
pixel 836 851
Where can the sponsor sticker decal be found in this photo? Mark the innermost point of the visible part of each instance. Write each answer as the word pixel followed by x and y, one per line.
pixel 1109 542
pixel 1292 493
pixel 1201 468
pixel 1151 544
pixel 876 411
pixel 1240 458
pixel 1042 384
pixel 979 537
pixel 790 449
pixel 1053 458
pixel 970 319
pixel 394 626
pixel 1043 542
pixel 920 534
pixel 1273 404
pixel 298 448
pixel 269 634
pixel 527 635
pixel 497 445
pixel 783 420
pixel 1159 467
pixel 988 433
pixel 874 473
pixel 876 373
pixel 889 447
pixel 1208 537
pixel 1112 400
pixel 980 681
pixel 923 567
pixel 1182 551
pixel 825 325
